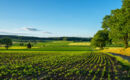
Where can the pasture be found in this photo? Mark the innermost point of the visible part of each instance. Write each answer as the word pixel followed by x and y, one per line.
pixel 50 46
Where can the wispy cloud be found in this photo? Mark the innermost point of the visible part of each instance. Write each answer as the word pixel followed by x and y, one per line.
pixel 47 32
pixel 30 29
pixel 25 31
pixel 12 33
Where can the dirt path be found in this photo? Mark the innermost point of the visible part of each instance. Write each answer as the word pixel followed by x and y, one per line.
pixel 123 56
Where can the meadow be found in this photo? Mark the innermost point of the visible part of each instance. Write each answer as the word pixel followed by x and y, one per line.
pixel 60 60
pixel 51 46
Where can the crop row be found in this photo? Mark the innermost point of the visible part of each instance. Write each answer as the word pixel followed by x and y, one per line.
pixel 84 66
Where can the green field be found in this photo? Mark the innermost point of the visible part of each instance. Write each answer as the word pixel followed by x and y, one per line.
pixel 71 65
pixel 49 46
pixel 58 60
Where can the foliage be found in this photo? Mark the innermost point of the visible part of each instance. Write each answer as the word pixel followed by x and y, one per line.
pixel 65 39
pixel 21 44
pixel 29 46
pixel 118 23
pixel 100 39
pixel 105 22
pixel 7 42
pixel 37 39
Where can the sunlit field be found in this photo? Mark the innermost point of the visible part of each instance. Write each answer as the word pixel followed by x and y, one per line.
pixel 59 60
pixel 51 46
pixel 80 44
pixel 64 39
pixel 46 66
pixel 118 50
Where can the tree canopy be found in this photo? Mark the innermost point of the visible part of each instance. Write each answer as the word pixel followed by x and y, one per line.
pixel 100 39
pixel 118 23
pixel 7 42
pixel 29 46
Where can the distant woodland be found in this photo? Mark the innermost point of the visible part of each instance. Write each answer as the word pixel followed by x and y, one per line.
pixel 28 38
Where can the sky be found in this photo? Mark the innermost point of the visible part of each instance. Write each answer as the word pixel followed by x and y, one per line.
pixel 54 18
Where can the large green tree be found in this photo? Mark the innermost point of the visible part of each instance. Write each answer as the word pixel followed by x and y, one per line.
pixel 7 42
pixel 118 23
pixel 105 22
pixel 100 39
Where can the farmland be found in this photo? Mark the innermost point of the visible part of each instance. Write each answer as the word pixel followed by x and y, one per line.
pixel 61 66
pixel 50 46
pixel 65 40
pixel 59 60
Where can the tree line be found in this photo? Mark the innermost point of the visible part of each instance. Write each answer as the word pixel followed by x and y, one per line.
pixel 39 39
pixel 115 27
pixel 7 42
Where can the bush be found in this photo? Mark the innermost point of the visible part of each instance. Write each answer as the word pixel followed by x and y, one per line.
pixel 29 46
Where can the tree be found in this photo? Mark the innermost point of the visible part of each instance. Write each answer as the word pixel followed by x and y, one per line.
pixel 118 23
pixel 126 4
pixel 7 42
pixel 0 42
pixel 105 22
pixel 64 38
pixel 35 42
pixel 100 39
pixel 21 44
pixel 29 46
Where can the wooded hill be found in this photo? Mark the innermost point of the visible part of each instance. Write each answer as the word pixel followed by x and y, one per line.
pixel 29 38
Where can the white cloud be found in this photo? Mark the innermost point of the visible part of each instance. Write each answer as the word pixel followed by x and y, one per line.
pixel 47 32
pixel 25 31
pixel 12 33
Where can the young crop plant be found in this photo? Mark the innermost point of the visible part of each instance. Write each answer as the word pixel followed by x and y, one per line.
pixel 58 66
pixel 94 77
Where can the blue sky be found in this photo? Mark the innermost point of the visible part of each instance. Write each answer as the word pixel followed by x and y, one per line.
pixel 54 18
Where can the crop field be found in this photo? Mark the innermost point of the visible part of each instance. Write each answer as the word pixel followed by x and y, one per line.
pixel 48 49
pixel 65 40
pixel 59 66
pixel 59 60
pixel 80 44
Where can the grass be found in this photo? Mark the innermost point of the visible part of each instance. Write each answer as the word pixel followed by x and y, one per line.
pixel 48 49
pixel 47 52
pixel 123 61
pixel 50 46
pixel 80 44
pixel 43 44
pixel 121 51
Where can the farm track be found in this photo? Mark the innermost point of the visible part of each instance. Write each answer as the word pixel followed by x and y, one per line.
pixel 85 66
pixel 123 56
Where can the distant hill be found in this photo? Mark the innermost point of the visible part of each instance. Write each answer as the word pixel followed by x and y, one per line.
pixel 28 38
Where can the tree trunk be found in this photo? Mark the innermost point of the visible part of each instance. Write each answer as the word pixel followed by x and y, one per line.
pixel 101 47
pixel 6 47
pixel 126 40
